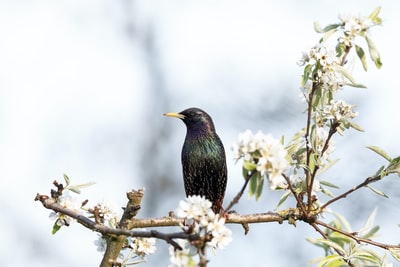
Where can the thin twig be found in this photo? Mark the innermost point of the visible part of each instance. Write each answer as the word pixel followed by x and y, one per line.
pixel 299 201
pixel 308 146
pixel 239 195
pixel 367 181
pixel 357 238
pixel 315 226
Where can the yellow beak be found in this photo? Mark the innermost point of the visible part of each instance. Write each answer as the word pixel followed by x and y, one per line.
pixel 175 115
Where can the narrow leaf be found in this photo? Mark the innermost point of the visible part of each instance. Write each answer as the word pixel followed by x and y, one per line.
pixel 370 222
pixel 253 184
pixel 395 253
pixel 378 192
pixel 356 127
pixel 343 222
pixel 326 192
pixel 373 52
pixel 374 15
pixel 77 188
pixel 66 179
pixel 260 185
pixel 371 233
pixel 348 76
pixel 362 57
pixel 56 227
pixel 283 199
pixel 249 165
pixel 329 184
pixel 319 29
pixel 333 245
pixel 380 152
pixel 394 166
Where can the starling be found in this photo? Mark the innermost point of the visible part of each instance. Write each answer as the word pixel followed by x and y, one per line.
pixel 203 157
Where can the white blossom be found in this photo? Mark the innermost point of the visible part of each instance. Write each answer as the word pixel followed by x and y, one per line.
pixel 108 212
pixel 221 235
pixel 68 202
pixel 144 246
pixel 194 207
pixel 184 257
pixel 267 153
pixel 201 220
pixel 354 26
pixel 339 110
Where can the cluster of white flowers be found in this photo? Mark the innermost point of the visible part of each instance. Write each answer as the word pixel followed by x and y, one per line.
pixel 327 61
pixel 266 153
pixel 143 246
pixel 339 110
pixel 354 26
pixel 140 247
pixel 199 219
pixel 66 201
pixel 108 212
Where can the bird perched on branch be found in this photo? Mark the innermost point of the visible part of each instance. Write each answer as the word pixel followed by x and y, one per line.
pixel 203 157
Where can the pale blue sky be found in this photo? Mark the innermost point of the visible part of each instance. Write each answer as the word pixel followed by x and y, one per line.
pixel 83 86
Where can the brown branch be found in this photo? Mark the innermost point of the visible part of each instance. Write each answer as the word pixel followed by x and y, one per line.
pixel 315 226
pixel 367 181
pixel 232 218
pixel 306 137
pixel 298 200
pixel 115 243
pixel 356 238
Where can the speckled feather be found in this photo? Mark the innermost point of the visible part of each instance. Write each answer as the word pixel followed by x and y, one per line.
pixel 203 158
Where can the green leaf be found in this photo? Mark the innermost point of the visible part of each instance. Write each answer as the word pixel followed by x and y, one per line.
pixel 326 192
pixel 374 16
pixel 333 260
pixel 260 185
pixel 254 186
pixel 356 127
pixel 306 74
pixel 348 76
pixel 245 172
pixel 362 57
pixel 365 256
pixel 340 48
pixel 67 180
pixel 329 184
pixel 395 253
pixel 366 229
pixel 380 152
pixel 371 233
pixel 56 227
pixel 319 29
pixel 249 165
pixel 332 244
pixel 394 166
pixel 373 52
pixel 344 224
pixel 283 199
pixel 379 172
pixel 77 188
pixel 378 192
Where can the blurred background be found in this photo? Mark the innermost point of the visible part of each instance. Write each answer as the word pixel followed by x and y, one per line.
pixel 84 84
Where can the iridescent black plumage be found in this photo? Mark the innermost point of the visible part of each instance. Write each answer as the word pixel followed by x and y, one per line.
pixel 203 157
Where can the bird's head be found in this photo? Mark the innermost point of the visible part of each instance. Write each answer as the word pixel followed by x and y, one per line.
pixel 195 120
